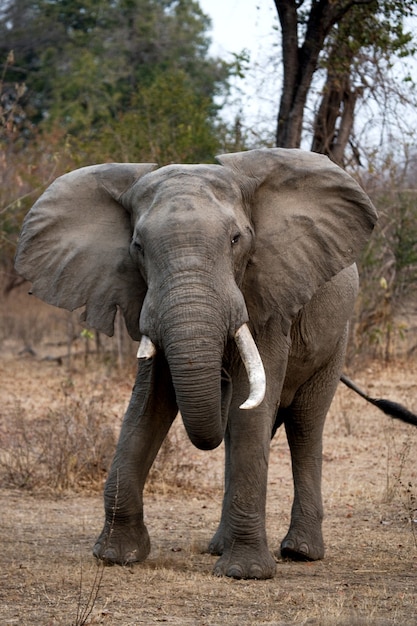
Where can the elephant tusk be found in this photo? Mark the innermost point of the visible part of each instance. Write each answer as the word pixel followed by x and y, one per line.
pixel 146 348
pixel 254 367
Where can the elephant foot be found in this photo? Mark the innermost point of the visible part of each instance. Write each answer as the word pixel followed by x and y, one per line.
pixel 216 545
pixel 122 544
pixel 246 563
pixel 298 546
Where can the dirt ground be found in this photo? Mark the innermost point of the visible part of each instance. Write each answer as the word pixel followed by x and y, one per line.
pixel 369 574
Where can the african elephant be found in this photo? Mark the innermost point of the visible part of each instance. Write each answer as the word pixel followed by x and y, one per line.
pixel 240 278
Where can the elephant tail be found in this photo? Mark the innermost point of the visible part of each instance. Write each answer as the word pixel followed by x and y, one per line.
pixel 387 406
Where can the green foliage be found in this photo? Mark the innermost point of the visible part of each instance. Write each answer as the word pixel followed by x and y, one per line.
pixel 84 62
pixel 166 122
pixel 368 34
pixel 95 81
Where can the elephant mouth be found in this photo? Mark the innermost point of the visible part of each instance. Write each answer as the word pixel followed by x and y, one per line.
pixel 251 360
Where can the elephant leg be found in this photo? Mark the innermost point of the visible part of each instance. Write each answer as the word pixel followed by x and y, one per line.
pixel 216 545
pixel 304 422
pixel 241 536
pixel 150 413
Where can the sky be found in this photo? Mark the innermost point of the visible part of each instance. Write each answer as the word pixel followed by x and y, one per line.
pixel 239 25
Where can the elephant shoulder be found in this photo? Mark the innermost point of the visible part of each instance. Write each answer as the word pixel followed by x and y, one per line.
pixel 322 321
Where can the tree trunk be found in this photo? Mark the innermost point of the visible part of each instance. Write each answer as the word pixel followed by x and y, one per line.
pixel 300 62
pixel 341 139
pixel 334 120
pixel 327 116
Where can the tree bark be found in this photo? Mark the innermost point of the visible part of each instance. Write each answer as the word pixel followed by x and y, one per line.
pixel 337 105
pixel 341 139
pixel 300 61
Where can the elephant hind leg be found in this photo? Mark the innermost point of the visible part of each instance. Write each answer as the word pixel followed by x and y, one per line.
pixel 304 540
pixel 304 422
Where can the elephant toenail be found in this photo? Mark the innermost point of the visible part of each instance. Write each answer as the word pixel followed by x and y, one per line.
pixel 288 545
pixel 304 549
pixel 235 572
pixel 109 556
pixel 256 572
pixel 130 557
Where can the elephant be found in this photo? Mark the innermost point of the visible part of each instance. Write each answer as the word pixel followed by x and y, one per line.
pixel 238 279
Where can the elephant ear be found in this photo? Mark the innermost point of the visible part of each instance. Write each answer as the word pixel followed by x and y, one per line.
pixel 311 220
pixel 74 246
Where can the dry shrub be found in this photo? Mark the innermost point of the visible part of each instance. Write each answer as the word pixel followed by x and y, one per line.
pixel 180 467
pixel 72 445
pixel 71 448
pixel 384 324
pixel 399 488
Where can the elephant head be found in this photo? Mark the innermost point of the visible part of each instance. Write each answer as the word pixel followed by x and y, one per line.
pixel 192 254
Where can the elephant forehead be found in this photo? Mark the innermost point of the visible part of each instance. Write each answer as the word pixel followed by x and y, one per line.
pixel 182 216
pixel 189 186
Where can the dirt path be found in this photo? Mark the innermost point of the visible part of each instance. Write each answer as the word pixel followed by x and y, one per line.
pixel 369 575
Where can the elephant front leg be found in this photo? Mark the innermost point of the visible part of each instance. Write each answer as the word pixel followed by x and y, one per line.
pixel 241 537
pixel 152 409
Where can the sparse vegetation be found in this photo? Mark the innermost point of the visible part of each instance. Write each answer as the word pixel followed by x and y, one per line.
pixel 52 509
pixel 384 325
pixel 64 390
pixel 71 447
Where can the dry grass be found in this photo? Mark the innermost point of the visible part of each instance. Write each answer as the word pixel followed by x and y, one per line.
pixel 70 448
pixel 47 574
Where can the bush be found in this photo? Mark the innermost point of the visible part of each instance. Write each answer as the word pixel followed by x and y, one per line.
pixel 383 323
pixel 71 448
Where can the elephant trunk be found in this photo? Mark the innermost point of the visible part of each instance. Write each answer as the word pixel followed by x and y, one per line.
pixel 198 393
pixel 194 351
pixel 202 393
pixel 191 322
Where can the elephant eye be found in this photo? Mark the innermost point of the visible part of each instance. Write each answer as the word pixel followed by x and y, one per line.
pixel 137 247
pixel 235 238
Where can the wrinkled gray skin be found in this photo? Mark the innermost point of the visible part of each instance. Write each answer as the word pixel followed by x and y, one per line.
pixel 190 253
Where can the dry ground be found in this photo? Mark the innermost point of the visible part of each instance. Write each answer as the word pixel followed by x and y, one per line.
pixel 369 574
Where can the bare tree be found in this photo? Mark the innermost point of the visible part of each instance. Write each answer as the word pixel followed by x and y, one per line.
pixel 340 36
